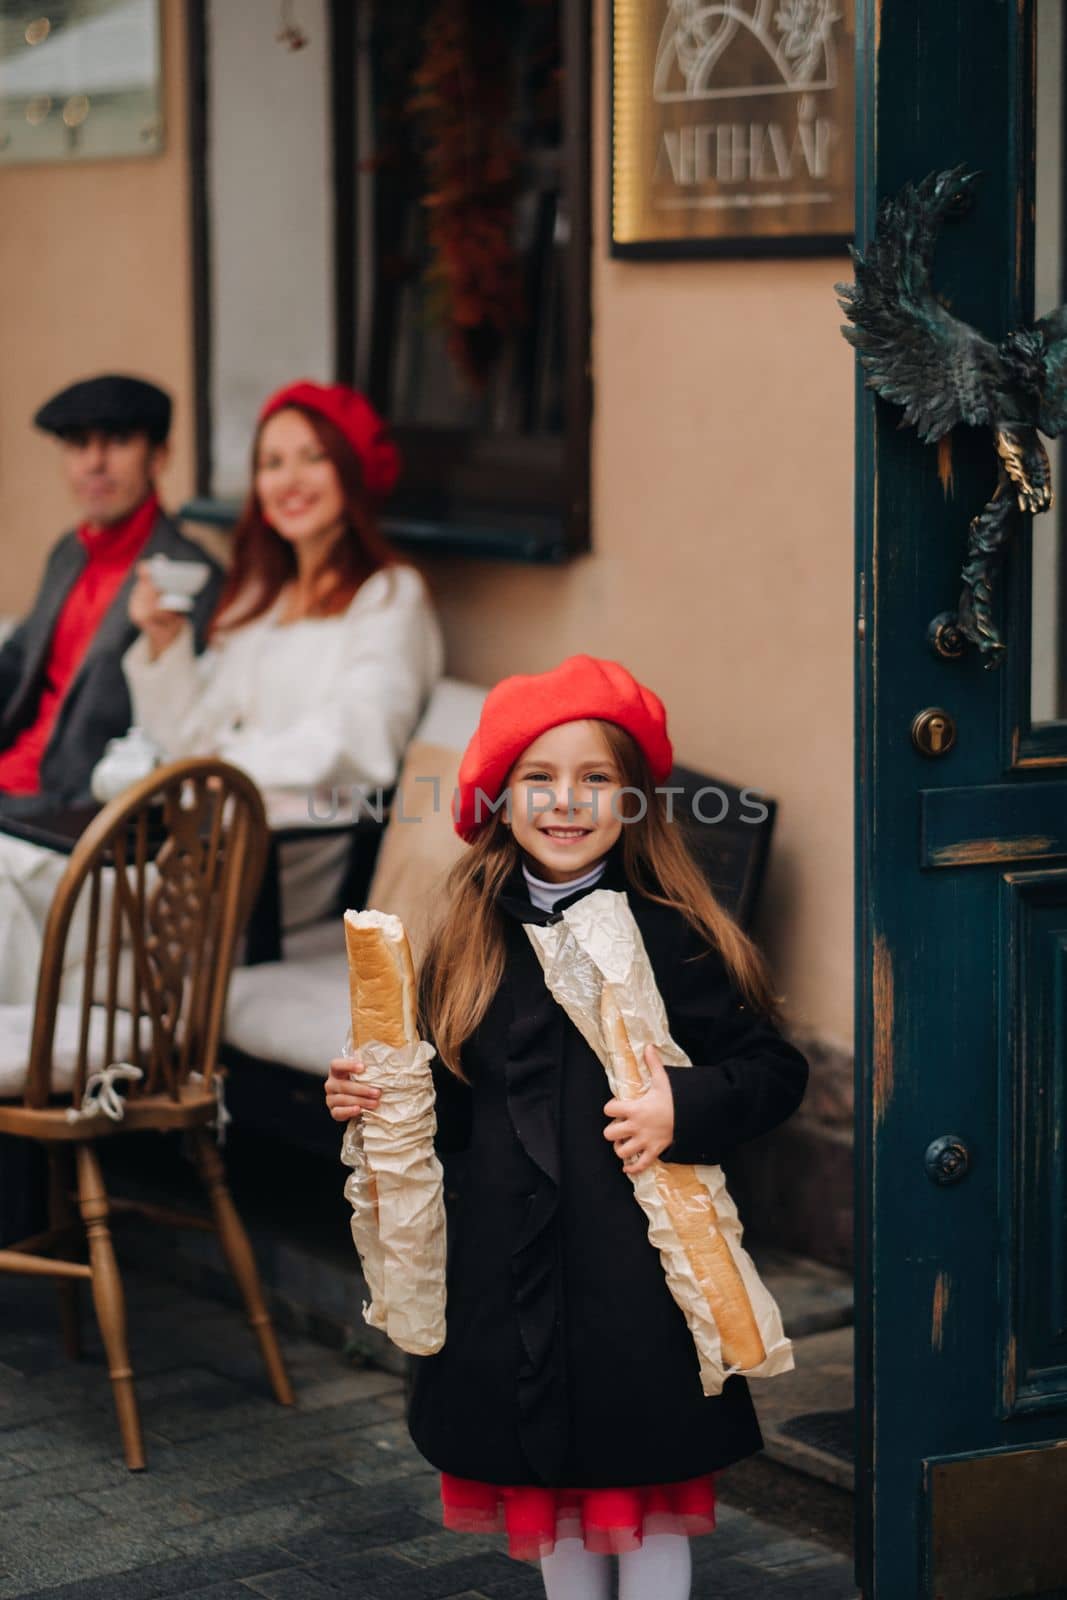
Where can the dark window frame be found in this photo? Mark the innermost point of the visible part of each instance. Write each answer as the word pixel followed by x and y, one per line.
pixel 197 113
pixel 1029 743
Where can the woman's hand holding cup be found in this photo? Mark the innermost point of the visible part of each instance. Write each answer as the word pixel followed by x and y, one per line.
pixel 346 1097
pixel 159 626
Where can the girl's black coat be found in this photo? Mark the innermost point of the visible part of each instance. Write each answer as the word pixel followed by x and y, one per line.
pixel 567 1362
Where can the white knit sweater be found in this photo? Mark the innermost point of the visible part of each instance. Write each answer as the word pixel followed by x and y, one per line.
pixel 326 700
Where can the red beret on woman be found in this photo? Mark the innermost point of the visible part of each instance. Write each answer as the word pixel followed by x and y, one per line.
pixel 519 709
pixel 353 414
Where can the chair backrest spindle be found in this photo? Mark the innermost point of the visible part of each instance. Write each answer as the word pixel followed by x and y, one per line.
pixel 81 1070
pixel 233 902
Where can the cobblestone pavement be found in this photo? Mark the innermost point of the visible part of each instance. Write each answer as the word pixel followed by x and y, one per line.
pixel 243 1498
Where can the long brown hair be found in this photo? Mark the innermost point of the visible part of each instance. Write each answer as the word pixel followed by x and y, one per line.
pixel 464 961
pixel 263 562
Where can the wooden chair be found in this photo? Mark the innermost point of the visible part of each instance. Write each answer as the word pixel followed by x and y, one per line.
pixel 158 887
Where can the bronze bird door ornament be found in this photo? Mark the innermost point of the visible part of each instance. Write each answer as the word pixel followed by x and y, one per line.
pixel 915 353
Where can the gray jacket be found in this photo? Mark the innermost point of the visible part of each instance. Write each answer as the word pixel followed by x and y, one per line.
pixel 96 707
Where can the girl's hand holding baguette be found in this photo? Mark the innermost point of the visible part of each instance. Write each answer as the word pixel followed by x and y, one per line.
pixel 346 1097
pixel 642 1128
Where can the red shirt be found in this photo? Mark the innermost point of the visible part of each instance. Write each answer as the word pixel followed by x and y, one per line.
pixel 111 552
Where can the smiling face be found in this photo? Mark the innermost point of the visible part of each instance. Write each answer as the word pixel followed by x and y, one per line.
pixel 110 472
pixel 297 483
pixel 564 800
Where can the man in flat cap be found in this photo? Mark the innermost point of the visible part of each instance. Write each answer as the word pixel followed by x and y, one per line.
pixel 62 690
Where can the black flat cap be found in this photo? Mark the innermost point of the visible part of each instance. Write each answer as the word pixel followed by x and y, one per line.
pixel 108 402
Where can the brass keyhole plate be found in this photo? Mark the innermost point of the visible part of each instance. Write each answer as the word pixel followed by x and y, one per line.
pixel 933 731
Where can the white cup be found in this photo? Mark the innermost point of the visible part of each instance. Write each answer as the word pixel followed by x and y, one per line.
pixel 177 581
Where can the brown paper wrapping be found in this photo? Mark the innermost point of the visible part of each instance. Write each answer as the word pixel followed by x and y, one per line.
pixel 595 958
pixel 397 1198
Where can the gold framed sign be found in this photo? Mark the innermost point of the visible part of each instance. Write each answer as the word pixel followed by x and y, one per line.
pixel 732 126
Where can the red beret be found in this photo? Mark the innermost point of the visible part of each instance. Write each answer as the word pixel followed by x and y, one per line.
pixel 353 414
pixel 519 709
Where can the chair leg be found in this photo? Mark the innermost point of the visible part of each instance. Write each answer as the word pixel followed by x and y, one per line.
pixel 110 1301
pixel 61 1214
pixel 238 1252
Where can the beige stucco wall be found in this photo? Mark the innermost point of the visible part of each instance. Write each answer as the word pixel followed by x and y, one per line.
pixel 94 261
pixel 722 564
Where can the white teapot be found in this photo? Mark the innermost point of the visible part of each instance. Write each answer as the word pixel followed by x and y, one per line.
pixel 122 763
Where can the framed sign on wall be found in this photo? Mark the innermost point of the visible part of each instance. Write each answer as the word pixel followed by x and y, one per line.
pixel 731 126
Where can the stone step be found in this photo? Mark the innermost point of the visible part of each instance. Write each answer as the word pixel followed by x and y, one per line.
pixel 812 1297
pixel 807 1415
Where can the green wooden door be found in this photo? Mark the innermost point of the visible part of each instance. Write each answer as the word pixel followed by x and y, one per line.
pixel 962 883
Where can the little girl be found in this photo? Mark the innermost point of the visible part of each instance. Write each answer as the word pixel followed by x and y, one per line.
pixel 566 1404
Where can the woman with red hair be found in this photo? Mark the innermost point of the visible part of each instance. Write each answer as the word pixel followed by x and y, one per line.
pixel 324 647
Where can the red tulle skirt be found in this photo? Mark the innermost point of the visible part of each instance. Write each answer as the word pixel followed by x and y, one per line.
pixel 608 1521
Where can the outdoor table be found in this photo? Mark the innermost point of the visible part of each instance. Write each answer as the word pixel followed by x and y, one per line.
pixel 54 830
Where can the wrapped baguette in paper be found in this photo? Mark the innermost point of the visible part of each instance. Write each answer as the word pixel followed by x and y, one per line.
pixel 597 968
pixel 395 1188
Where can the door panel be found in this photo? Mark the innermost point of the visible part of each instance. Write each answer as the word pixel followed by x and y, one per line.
pixel 962 903
pixel 1032 1147
pixel 992 822
pixel 995 1525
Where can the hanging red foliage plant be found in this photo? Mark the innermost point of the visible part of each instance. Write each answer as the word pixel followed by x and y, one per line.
pixel 463 100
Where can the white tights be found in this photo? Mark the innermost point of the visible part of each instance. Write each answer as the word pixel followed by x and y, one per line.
pixel 660 1570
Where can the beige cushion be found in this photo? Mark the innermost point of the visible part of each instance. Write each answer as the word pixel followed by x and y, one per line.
pixel 16 1023
pixel 420 844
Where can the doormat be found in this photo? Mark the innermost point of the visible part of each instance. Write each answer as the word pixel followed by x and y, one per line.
pixel 831 1431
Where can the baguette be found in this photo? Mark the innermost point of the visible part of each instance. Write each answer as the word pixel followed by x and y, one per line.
pixel 381 988
pixel 381 980
pixel 692 1214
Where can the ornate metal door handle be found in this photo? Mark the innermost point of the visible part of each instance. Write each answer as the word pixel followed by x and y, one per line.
pixel 944 372
pixel 947 1159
